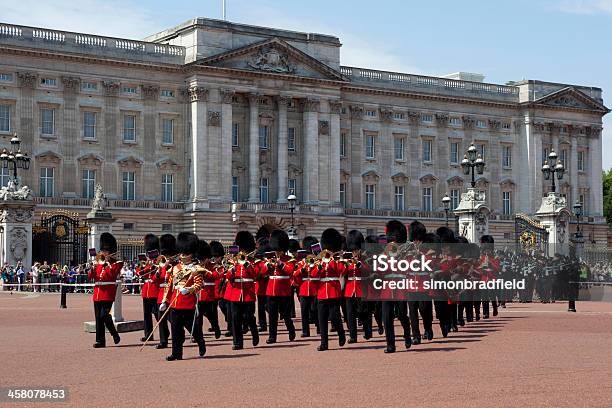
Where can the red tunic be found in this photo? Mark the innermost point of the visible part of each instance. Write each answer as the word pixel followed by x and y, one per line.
pixel 150 288
pixel 306 283
pixel 209 283
pixel 240 283
pixel 161 278
pixel 280 277
pixel 105 278
pixel 261 283
pixel 329 285
pixel 490 267
pixel 176 299
pixel 354 275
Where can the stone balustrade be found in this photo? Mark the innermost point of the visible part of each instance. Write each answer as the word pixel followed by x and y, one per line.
pixel 113 204
pixel 65 41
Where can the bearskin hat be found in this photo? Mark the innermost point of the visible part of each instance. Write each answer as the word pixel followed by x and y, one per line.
pixel 151 242
pixel 262 233
pixel 396 231
pixel 187 243
pixel 108 243
pixel 167 245
pixel 245 241
pixel 279 241
pixel 216 249
pixel 331 240
pixel 203 250
pixel 309 241
pixel 294 245
pixel 417 231
pixel 354 240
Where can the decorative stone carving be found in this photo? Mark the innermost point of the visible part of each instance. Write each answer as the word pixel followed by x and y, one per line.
pixel 335 107
pixel 283 101
pixel 16 214
pixel 167 164
pixel 593 131
pixel 554 127
pixel 324 127
pixel 494 124
pixel 198 94
pixel 517 124
pixel 214 118
pixel 552 203
pixel 356 111
pixel 130 162
pixel 150 92
pixel 271 59
pixel 310 105
pixel 441 119
pixel 468 122
pixel 414 117
pixel 428 180
pixel 71 84
pixel 370 177
pixel 455 181
pixel 27 79
pixel 99 201
pixel 90 160
pixel 400 178
pixel 111 88
pixel 253 98
pixel 18 243
pixel 386 114
pixel 539 127
pixel 183 94
pixel 227 95
pixel 568 102
pixel 13 191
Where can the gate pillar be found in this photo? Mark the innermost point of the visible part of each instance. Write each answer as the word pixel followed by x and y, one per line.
pixel 16 212
pixel 473 215
pixel 554 216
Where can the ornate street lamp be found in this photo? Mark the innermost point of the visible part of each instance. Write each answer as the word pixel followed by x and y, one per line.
pixel 552 166
pixel 292 200
pixel 446 200
pixel 578 214
pixel 15 158
pixel 472 162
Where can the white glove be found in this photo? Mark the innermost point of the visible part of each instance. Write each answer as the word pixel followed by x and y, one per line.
pixel 184 291
pixel 163 307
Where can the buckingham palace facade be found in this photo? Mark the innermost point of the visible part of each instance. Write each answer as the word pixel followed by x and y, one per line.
pixel 210 125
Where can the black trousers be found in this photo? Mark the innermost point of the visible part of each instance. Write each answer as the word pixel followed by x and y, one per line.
pixel 329 309
pixel 208 309
pixel 149 307
pixel 357 309
pixel 262 306
pixel 444 313
pixel 226 307
pixel 276 305
pixel 243 312
pixel 389 309
pixel 307 304
pixel 183 319
pixel 422 307
pixel 103 318
pixel 164 331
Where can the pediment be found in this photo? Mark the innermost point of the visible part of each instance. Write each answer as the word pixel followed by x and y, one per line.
pixel 370 176
pixel 272 56
pixel 90 159
pixel 571 98
pixel 48 156
pixel 400 177
pixel 455 181
pixel 428 179
pixel 167 164
pixel 130 161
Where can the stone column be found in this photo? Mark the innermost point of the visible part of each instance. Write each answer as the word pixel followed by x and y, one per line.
pixel 226 144
pixel 253 148
pixel 111 137
pixel 595 205
pixel 150 180
pixel 494 164
pixel 69 138
pixel 282 167
pixel 199 146
pixel 413 194
pixel 473 215
pixel 355 146
pixel 573 170
pixel 311 151
pixel 334 173
pixel 386 158
pixel 554 216
pixel 25 108
pixel 16 229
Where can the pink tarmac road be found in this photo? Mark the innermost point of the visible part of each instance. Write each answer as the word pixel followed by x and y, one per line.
pixel 531 355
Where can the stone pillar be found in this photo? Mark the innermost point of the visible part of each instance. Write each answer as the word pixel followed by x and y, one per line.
pixel 595 204
pixel 413 194
pixel 355 145
pixel 25 108
pixel 573 170
pixel 199 146
pixel 334 173
pixel 113 135
pixel 282 167
pixel 311 151
pixel 473 215
pixel 253 148
pixel 554 216
pixel 16 229
pixel 386 157
pixel 494 165
pixel 226 144
pixel 70 136
pixel 150 180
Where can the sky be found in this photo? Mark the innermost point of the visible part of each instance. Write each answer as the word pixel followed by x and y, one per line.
pixel 567 41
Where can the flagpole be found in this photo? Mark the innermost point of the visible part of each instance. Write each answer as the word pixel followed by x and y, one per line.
pixel 224 11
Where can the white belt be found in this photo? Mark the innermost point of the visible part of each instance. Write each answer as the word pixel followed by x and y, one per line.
pixel 104 283
pixel 163 285
pixel 395 275
pixel 208 284
pixel 148 281
pixel 243 280
pixel 311 279
pixel 330 279
pixel 279 277
pixel 354 278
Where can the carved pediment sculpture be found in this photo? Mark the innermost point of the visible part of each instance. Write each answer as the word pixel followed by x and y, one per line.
pixel 272 60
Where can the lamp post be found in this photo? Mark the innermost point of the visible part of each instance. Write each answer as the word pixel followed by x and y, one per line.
pixel 291 199
pixel 473 162
pixel 552 166
pixel 446 200
pixel 14 157
pixel 578 213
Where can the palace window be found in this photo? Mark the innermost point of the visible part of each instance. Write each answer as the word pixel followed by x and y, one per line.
pixel 50 82
pixel 129 128
pixel 507 202
pixel 167 188
pixel 563 158
pixel 343 195
pixel 454 196
pixel 398 115
pixel 166 227
pixel 291 139
pixel 167 93
pixel 506 125
pixel 5 118
pixel 47 121
pixel 167 131
pixel 89 86
pixel 399 198
pixel 263 190
pixel 427 199
pixel 89 125
pixel 343 144
pixel 481 124
pixel 454 153
pixel 235 134
pixel 264 136
pixel 89 183
pixel 481 150
pixel 130 90
pixel 544 154
pixel 427 150
pixel 128 185
pixel 370 196
pixel 370 113
pixel 580 161
pixel 427 118
pixel 399 148
pixel 291 185
pixel 507 156
pixel 46 181
pixel 4 176
pixel 235 189
pixel 454 121
pixel 4 77
pixel 370 147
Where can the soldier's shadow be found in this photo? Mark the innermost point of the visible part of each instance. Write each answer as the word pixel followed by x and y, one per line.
pixel 222 356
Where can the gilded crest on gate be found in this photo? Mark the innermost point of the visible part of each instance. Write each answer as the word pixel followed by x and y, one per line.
pixel 60 229
pixel 527 239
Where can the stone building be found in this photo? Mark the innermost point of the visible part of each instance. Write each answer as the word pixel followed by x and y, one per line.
pixel 208 126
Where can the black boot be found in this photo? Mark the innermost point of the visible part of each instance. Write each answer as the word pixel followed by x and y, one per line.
pixel 172 357
pixel 202 349
pixel 390 349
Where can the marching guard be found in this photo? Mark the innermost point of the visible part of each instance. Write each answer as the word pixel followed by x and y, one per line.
pixel 207 301
pixel 167 257
pixel 353 292
pixel 150 287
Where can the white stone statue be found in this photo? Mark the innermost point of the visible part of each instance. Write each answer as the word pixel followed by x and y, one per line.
pixel 99 200
pixel 12 191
